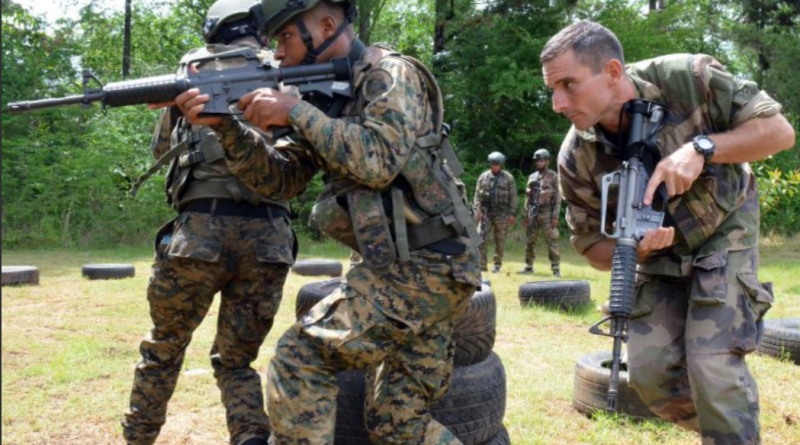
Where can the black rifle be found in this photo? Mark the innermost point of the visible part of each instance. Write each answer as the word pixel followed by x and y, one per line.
pixel 326 85
pixel 633 219
pixel 533 202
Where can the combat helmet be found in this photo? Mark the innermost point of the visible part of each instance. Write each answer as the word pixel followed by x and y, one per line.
pixel 541 154
pixel 496 157
pixel 277 13
pixel 228 20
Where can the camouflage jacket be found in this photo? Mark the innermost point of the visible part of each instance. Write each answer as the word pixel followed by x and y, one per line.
pixel 720 210
pixel 496 195
pixel 548 199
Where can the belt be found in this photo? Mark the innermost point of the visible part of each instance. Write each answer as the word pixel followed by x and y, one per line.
pixel 435 235
pixel 228 207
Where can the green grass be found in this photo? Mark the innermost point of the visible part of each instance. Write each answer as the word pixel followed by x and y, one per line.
pixel 69 347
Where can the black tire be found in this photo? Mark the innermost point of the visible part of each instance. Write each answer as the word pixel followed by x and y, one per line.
pixel 473 335
pixel 475 330
pixel 473 408
pixel 502 438
pixel 312 293
pixel 781 339
pixel 20 275
pixel 590 389
pixel 566 294
pixel 108 271
pixel 318 268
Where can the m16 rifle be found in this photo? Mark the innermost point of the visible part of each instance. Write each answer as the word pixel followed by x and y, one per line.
pixel 533 202
pixel 633 220
pixel 325 85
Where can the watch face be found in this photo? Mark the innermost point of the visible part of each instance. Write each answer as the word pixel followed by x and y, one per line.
pixel 704 143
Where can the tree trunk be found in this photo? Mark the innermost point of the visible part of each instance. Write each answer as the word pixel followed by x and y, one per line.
pixel 126 43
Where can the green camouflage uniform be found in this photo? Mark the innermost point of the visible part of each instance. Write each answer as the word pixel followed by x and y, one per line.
pixel 393 316
pixel 198 254
pixel 699 304
pixel 545 189
pixel 496 198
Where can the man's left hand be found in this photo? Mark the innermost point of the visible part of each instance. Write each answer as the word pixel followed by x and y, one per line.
pixel 554 223
pixel 677 171
pixel 267 108
pixel 511 220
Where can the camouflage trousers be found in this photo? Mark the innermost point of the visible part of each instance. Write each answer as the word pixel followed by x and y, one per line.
pixel 247 259
pixel 499 225
pixel 688 342
pixel 541 223
pixel 406 350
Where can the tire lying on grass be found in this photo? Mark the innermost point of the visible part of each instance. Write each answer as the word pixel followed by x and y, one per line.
pixel 590 388
pixel 317 268
pixel 472 409
pixel 781 339
pixel 502 438
pixel 108 271
pixel 19 275
pixel 474 332
pixel 312 293
pixel 566 294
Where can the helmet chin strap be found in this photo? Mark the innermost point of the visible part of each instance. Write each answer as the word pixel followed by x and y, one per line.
pixel 313 53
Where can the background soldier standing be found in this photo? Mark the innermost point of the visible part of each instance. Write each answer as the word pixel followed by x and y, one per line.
pixel 495 204
pixel 699 304
pixel 226 238
pixel 395 314
pixel 541 210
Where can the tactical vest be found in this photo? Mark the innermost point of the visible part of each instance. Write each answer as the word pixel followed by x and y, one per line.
pixel 197 166
pixel 421 207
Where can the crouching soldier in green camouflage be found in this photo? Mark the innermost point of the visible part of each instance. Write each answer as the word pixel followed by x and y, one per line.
pixel 541 209
pixel 226 238
pixel 390 196
pixel 699 304
pixel 495 204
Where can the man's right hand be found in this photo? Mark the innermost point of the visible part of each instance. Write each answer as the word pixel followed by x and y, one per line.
pixel 525 221
pixel 655 239
pixel 480 216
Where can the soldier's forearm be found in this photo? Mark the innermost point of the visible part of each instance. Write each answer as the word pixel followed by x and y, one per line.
pixel 600 255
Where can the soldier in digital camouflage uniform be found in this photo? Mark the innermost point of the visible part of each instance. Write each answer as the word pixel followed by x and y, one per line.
pixel 390 196
pixel 495 204
pixel 542 208
pixel 226 238
pixel 699 303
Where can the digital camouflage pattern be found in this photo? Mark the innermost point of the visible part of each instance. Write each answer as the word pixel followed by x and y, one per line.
pixel 247 260
pixel 543 188
pixel 396 320
pixel 710 274
pixel 496 199
pixel 197 256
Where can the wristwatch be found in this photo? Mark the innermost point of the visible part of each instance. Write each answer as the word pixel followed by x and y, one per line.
pixel 705 146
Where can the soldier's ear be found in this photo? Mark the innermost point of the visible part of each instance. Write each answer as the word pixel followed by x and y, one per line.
pixel 614 71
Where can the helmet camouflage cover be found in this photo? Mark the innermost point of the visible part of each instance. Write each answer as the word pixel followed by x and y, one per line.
pixel 497 158
pixel 278 12
pixel 226 14
pixel 541 154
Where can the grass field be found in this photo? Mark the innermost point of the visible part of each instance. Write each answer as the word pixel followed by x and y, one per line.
pixel 69 347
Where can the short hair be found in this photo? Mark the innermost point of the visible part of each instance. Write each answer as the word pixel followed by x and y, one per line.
pixel 594 45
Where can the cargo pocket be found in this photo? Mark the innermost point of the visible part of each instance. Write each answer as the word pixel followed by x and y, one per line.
pixel 754 301
pixel 644 302
pixel 196 236
pixel 710 285
pixel 276 243
pixel 164 239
